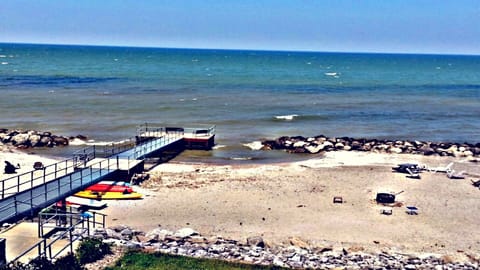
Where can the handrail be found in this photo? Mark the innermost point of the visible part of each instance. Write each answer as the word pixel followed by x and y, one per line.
pixel 36 177
pixel 48 247
pixel 55 188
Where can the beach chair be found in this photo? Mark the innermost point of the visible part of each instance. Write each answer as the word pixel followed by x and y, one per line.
pixel 38 165
pixel 412 210
pixel 386 211
pixel 337 199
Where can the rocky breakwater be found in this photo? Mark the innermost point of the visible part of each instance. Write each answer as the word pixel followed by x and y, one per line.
pixel 313 145
pixel 296 253
pixel 32 138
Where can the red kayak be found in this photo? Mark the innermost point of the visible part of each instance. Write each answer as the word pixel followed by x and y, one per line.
pixel 109 188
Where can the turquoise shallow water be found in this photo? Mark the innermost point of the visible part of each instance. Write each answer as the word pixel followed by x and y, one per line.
pixel 105 92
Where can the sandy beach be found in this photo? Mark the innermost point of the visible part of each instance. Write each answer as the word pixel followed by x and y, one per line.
pixel 295 200
pixel 280 202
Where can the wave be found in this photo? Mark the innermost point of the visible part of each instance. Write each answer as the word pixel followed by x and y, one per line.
pixel 218 146
pixel 288 117
pixel 51 80
pixel 296 117
pixel 79 142
pixel 255 145
pixel 4 63
pixel 241 158
pixel 331 74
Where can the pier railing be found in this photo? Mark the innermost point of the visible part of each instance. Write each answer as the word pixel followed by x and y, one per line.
pixel 156 130
pixel 26 196
pixel 15 184
pixel 79 225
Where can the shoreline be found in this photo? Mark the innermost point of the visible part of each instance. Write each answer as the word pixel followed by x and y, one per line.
pixel 287 200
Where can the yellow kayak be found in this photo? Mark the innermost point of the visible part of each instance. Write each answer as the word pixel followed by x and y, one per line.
pixel 108 195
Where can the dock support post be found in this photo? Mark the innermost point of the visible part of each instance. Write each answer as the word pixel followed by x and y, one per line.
pixel 3 254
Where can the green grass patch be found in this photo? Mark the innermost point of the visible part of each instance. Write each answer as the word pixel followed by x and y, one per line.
pixel 137 260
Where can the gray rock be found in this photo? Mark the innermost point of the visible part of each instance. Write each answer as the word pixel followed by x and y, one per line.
pixel 185 232
pixel 256 241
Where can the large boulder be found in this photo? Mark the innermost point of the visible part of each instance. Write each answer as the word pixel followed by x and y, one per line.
pixel 255 241
pixel 46 141
pixel 20 139
pixel 34 140
pixel 186 232
pixel 62 141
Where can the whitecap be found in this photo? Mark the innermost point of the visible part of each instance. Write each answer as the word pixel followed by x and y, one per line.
pixel 286 117
pixel 4 63
pixel 218 146
pixel 241 158
pixel 2 56
pixel 77 141
pixel 331 73
pixel 194 99
pixel 255 145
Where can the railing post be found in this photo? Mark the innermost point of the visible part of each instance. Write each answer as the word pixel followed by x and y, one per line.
pixel 81 177
pixel 118 163
pixel 88 225
pixel 15 202
pixel 31 179
pixel 39 225
pixel 55 173
pixel 46 191
pixel 18 183
pixel 3 189
pixel 70 240
pixel 94 152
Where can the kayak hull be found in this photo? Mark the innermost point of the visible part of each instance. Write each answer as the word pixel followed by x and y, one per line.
pixel 108 195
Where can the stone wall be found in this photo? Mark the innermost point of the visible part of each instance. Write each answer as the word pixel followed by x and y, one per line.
pixel 32 138
pixel 313 145
pixel 296 254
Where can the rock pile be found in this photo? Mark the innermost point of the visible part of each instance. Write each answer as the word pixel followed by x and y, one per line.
pixel 321 143
pixel 32 138
pixel 298 254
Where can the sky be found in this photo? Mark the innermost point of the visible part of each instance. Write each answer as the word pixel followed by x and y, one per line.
pixel 396 26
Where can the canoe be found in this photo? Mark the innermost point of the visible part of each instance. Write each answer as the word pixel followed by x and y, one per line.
pixel 109 188
pixel 77 202
pixel 85 202
pixel 117 183
pixel 108 195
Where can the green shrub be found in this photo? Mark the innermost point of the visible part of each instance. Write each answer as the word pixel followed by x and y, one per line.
pixel 91 250
pixel 68 262
pixel 41 263
pixel 15 266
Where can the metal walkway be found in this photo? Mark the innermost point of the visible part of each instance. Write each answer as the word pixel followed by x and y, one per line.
pixel 30 192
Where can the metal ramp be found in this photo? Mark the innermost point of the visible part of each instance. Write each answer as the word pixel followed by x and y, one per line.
pixel 28 193
pixel 32 199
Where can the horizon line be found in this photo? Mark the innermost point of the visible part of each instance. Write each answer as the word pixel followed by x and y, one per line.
pixel 238 49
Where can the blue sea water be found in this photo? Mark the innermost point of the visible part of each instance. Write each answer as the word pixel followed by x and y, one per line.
pixel 105 92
